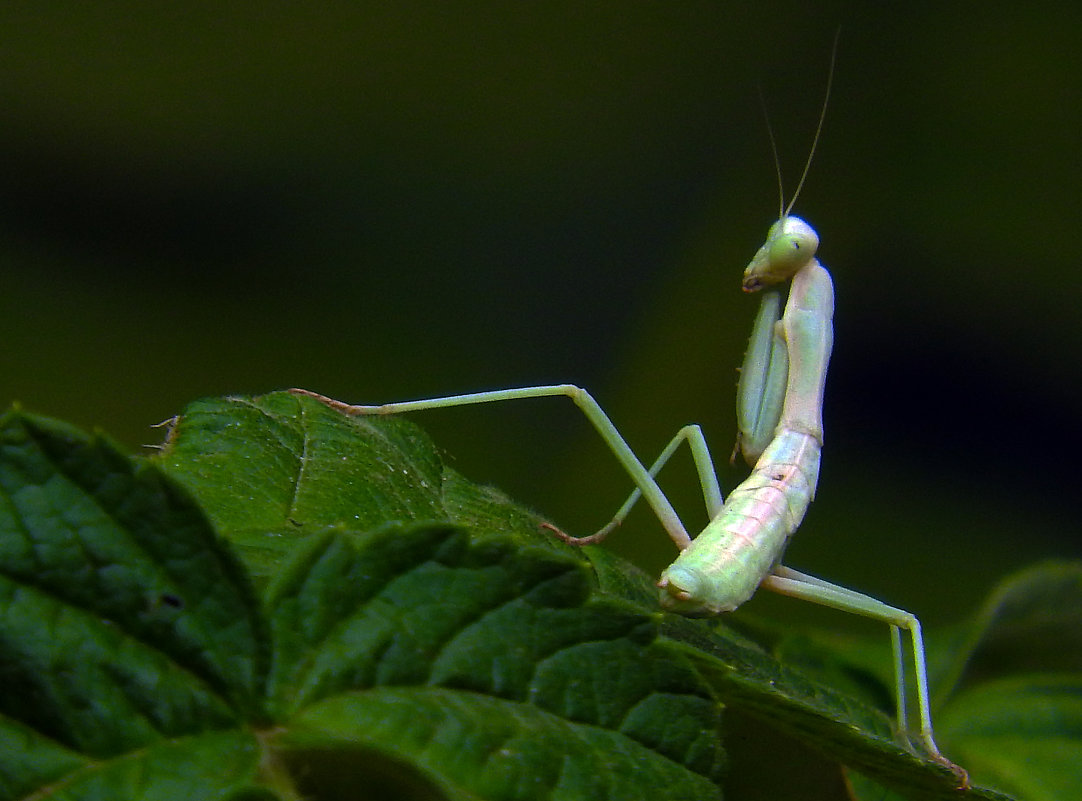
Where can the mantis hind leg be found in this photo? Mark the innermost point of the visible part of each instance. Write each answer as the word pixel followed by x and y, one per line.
pixel 795 584
pixel 645 484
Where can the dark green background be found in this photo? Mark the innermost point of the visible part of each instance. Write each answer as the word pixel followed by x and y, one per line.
pixel 384 202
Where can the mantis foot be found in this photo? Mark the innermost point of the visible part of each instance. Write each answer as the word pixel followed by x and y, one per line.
pixel 591 539
pixel 960 773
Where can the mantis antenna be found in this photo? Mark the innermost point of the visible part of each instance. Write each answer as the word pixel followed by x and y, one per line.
pixel 783 210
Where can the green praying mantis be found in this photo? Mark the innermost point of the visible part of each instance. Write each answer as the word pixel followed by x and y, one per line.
pixel 780 397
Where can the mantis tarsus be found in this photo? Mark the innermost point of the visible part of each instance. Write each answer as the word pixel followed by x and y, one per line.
pixel 780 433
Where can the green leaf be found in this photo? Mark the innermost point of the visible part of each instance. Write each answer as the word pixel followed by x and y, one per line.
pixel 94 543
pixel 504 649
pixel 1015 717
pixel 1023 735
pixel 343 613
pixel 1031 623
pixel 124 620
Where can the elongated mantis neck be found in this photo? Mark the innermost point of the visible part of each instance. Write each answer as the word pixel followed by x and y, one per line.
pixel 809 334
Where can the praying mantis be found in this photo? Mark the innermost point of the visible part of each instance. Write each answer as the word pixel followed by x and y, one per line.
pixel 780 397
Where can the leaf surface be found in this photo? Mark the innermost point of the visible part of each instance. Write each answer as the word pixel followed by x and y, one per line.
pixel 339 609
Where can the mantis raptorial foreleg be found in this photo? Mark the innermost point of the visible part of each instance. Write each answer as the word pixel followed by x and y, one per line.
pixel 761 389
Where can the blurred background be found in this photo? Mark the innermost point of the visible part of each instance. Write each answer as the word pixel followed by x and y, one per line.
pixel 382 202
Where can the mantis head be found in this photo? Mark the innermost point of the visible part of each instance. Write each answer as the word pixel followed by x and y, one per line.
pixel 790 244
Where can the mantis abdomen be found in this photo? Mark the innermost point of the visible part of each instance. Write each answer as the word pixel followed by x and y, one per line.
pixel 725 564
